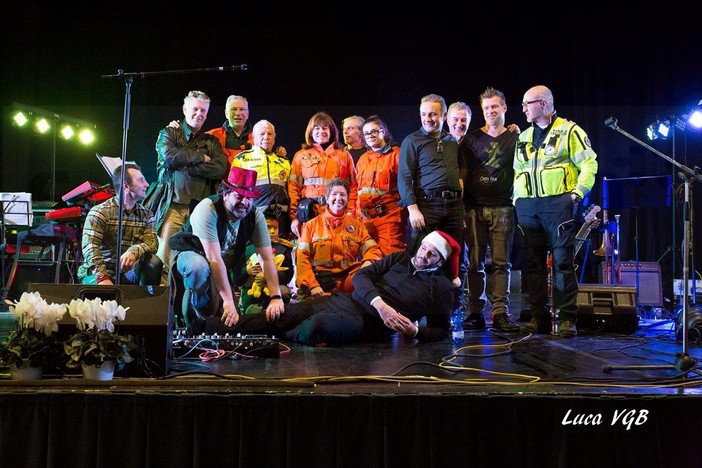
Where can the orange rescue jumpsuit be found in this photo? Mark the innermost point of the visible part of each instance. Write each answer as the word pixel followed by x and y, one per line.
pixel 376 179
pixel 312 169
pixel 337 246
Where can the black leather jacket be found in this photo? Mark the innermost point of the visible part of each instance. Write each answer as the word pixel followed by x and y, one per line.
pixel 183 173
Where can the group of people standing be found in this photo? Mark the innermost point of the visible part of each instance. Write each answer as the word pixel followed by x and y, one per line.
pixel 384 234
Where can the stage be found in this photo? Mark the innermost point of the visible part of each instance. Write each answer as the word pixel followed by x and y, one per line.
pixel 498 400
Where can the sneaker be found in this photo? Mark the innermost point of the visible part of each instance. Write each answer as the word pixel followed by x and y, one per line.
pixel 474 322
pixel 503 323
pixel 538 324
pixel 566 329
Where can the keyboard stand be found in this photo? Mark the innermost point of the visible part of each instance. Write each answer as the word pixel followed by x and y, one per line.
pixel 56 263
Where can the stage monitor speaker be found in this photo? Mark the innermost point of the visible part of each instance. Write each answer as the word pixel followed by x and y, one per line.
pixel 149 320
pixel 30 272
pixel 606 308
pixel 650 289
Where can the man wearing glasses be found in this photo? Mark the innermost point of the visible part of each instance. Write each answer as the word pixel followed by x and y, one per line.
pixel 554 168
pixel 428 179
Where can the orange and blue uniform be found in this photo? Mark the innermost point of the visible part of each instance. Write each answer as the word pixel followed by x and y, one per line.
pixel 335 246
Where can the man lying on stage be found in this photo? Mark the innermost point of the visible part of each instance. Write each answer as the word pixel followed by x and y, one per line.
pixel 390 295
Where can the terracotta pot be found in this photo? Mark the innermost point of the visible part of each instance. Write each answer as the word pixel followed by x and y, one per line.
pixel 104 372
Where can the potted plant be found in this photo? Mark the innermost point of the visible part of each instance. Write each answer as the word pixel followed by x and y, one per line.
pixel 33 343
pixel 96 346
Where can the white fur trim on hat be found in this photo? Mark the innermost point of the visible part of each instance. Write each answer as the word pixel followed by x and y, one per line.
pixel 439 243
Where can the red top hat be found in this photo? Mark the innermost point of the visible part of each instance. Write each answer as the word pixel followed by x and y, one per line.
pixel 242 181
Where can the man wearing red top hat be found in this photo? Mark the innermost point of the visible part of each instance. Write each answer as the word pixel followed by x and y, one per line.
pixel 209 254
pixel 391 295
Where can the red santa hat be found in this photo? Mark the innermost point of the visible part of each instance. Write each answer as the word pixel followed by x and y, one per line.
pixel 449 249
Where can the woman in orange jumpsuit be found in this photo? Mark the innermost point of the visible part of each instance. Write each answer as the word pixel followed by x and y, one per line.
pixel 322 158
pixel 333 246
pixel 376 179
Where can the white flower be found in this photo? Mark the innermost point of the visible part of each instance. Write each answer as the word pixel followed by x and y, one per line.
pixel 47 321
pixel 94 313
pixel 32 311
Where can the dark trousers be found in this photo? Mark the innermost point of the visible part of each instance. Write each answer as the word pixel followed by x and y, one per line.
pixel 493 226
pixel 332 319
pixel 548 224
pixel 442 214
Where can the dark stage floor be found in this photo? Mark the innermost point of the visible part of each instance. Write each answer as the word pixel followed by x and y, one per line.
pixel 489 362
pixel 399 403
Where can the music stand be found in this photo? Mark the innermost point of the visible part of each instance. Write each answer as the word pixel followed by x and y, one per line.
pixel 636 193
pixel 15 210
pixel 683 362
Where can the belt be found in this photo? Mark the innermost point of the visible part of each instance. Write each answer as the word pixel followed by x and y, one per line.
pixel 441 193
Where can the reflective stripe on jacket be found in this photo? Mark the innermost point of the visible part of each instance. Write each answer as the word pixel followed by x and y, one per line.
pixel 564 162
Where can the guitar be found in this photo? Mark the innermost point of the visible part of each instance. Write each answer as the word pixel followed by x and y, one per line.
pixel 591 222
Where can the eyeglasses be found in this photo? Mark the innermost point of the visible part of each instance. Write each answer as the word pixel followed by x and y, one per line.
pixel 374 132
pixel 526 103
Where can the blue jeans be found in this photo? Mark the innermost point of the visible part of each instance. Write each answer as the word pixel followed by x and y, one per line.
pixel 493 226
pixel 195 271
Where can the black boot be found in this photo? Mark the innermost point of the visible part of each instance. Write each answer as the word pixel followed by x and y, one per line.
pixel 474 322
pixel 539 324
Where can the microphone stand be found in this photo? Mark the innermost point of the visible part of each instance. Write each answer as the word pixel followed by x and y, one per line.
pixel 128 80
pixel 683 362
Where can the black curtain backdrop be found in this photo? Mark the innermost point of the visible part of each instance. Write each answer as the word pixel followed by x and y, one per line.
pixel 297 430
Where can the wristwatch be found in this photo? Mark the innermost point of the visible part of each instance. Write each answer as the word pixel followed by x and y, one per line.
pixel 575 197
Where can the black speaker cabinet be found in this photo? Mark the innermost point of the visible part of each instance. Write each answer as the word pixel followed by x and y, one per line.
pixel 607 308
pixel 149 320
pixel 30 272
pixel 650 289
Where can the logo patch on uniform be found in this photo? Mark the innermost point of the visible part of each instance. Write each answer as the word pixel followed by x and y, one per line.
pixel 350 228
pixel 587 142
pixel 310 157
pixel 549 150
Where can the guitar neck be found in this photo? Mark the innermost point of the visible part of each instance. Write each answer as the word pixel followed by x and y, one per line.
pixel 590 222
pixel 582 235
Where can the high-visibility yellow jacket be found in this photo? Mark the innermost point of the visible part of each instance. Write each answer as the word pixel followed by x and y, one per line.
pixel 564 162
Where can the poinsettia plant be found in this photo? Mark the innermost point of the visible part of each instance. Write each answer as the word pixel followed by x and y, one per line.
pixel 97 342
pixel 34 341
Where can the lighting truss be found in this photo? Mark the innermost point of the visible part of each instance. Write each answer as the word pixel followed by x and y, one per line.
pixel 60 124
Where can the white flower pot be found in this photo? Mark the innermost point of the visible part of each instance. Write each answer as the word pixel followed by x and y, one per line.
pixel 104 372
pixel 26 372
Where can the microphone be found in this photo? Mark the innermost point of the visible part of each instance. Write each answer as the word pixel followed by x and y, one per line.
pixel 611 123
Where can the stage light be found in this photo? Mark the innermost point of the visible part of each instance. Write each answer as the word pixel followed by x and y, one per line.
pixel 663 129
pixel 63 126
pixel 20 119
pixel 67 132
pixel 42 125
pixel 695 118
pixel 651 132
pixel 86 136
